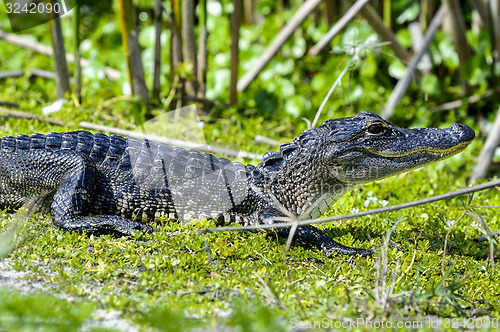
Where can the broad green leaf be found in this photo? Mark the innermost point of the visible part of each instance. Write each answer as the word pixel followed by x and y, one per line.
pixel 397 69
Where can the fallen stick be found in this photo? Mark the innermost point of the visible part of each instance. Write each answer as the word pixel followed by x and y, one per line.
pixel 267 140
pixel 470 100
pixel 23 42
pixel 11 73
pixel 427 200
pixel 47 74
pixel 171 141
pixel 30 116
pixel 488 151
pixel 123 132
pixel 8 103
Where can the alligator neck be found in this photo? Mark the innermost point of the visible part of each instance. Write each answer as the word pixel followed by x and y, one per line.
pixel 314 192
pixel 303 186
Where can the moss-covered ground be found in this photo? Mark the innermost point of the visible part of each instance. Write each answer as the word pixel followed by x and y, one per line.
pixel 179 278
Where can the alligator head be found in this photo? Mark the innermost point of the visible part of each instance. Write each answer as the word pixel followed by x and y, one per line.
pixel 323 163
pixel 366 148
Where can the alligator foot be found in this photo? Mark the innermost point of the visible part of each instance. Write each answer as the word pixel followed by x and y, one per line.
pixel 485 238
pixel 73 200
pixel 312 236
pixel 331 247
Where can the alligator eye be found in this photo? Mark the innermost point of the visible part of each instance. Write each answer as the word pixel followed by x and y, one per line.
pixel 376 128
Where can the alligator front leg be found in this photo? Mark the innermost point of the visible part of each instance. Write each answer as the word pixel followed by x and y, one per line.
pixel 74 197
pixel 310 235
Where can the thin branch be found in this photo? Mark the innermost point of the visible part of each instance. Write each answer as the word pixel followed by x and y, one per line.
pixel 11 74
pixel 202 59
pixel 338 81
pixel 488 151
pixel 446 245
pixel 404 83
pixel 34 72
pixel 385 33
pixel 266 140
pixel 235 50
pixel 248 11
pixel 480 6
pixel 458 32
pixel 171 141
pixel 9 103
pixel 189 45
pixel 330 11
pixel 470 100
pixel 428 200
pixel 417 37
pixel 59 58
pixel 23 42
pixel 494 7
pixel 132 49
pixel 307 7
pixel 344 20
pixel 30 116
pixel 176 82
pixel 47 74
pixel 78 66
pixel 158 11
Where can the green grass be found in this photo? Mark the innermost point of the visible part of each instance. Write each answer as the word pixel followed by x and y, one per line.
pixel 180 279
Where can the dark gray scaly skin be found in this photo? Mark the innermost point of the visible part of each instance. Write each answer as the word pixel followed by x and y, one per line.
pixel 101 184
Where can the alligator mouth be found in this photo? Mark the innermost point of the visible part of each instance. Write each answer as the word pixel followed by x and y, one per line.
pixel 438 152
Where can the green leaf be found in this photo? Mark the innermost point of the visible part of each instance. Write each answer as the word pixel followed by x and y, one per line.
pixel 448 52
pixel 430 84
pixel 286 88
pixel 397 69
pixel 318 82
pixel 404 38
pixel 476 70
pixel 368 66
pixel 296 104
pixel 409 14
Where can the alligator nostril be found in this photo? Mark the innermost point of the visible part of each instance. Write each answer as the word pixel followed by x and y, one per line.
pixel 462 129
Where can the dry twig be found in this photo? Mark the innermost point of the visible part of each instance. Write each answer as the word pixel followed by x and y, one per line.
pixel 285 221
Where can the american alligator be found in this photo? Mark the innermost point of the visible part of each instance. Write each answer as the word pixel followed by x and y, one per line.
pixel 98 183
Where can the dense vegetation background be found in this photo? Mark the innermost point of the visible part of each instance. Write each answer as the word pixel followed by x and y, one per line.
pixel 180 279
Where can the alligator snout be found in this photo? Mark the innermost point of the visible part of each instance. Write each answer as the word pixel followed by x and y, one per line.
pixel 463 132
